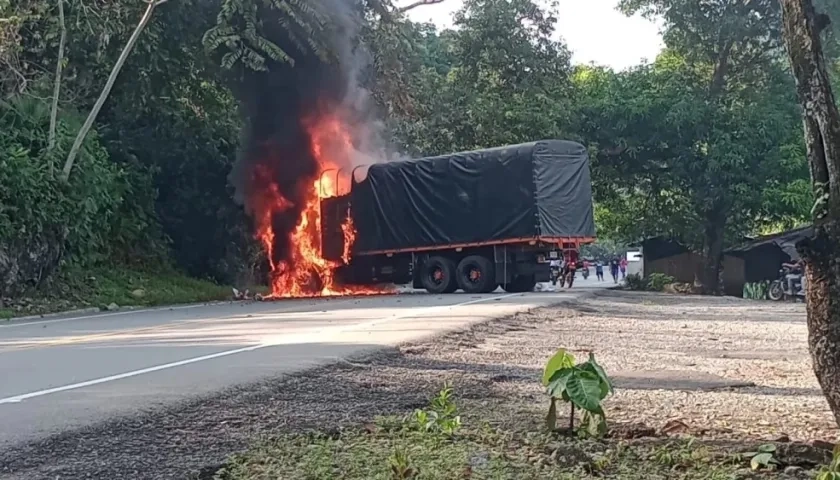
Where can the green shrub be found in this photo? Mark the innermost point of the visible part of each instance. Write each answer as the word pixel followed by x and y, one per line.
pixel 634 281
pixel 756 291
pixel 656 282
pixel 43 218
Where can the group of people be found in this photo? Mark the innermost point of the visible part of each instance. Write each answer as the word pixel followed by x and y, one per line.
pixel 618 269
pixel 567 267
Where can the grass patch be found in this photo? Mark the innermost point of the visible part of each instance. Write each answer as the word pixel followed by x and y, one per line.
pixel 124 286
pixel 391 450
pixel 433 444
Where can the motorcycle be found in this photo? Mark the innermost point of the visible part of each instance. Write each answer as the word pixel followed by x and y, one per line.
pixel 780 288
pixel 570 276
pixel 554 275
pixel 585 272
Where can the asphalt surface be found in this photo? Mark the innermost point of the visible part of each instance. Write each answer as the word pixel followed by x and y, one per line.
pixel 62 374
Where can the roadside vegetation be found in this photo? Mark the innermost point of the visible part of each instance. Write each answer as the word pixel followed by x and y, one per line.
pixel 655 282
pixel 110 288
pixel 434 443
pixel 389 449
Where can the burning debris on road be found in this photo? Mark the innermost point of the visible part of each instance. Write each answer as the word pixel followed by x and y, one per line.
pixel 302 120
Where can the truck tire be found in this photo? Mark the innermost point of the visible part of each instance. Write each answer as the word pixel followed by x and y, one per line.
pixel 438 275
pixel 521 284
pixel 476 274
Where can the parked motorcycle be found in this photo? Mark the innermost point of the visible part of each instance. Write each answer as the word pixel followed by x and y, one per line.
pixel 780 289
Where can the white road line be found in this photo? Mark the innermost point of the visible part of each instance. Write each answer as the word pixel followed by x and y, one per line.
pixel 280 340
pixel 20 398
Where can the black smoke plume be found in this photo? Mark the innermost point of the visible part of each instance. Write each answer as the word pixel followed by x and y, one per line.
pixel 275 103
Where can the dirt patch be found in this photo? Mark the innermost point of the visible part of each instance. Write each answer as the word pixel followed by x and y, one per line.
pixel 495 369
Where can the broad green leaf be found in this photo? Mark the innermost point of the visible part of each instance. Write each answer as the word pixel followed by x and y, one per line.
pixel 557 383
pixel 584 389
pixel 560 360
pixel 761 460
pixel 594 367
pixel 596 424
pixel 767 448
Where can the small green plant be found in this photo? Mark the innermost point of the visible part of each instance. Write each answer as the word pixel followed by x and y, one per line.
pixel 763 458
pixel 680 454
pixel 441 416
pixel 756 291
pixel 400 462
pixel 583 386
pixel 656 282
pixel 832 470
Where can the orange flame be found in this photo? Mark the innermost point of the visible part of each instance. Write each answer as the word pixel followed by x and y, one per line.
pixel 307 273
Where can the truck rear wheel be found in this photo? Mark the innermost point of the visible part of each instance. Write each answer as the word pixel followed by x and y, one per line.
pixel 476 274
pixel 438 275
pixel 521 284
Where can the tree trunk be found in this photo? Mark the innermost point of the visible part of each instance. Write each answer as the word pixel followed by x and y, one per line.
pixel 59 66
pixel 713 238
pixel 115 72
pixel 821 121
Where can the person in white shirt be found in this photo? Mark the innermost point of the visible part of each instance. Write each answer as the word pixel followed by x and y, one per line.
pixel 556 265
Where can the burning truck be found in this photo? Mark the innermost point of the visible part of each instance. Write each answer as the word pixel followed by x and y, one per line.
pixel 470 221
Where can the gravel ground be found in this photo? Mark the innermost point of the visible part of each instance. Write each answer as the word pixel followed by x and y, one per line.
pixel 725 368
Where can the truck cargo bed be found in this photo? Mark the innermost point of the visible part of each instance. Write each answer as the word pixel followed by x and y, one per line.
pixel 538 189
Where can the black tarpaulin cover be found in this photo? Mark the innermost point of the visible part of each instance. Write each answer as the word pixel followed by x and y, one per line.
pixel 538 189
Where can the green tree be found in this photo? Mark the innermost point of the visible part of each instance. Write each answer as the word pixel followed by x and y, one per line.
pixel 151 5
pixel 719 113
pixel 169 124
pixel 499 78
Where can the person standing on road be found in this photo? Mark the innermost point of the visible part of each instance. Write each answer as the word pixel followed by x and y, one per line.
pixel 599 270
pixel 571 268
pixel 622 265
pixel 614 269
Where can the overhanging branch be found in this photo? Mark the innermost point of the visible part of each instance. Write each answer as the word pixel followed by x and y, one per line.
pixel 418 3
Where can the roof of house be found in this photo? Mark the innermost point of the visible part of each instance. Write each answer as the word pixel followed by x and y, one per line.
pixel 785 240
pixel 654 248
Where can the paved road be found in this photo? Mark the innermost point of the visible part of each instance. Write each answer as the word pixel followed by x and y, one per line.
pixel 65 373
